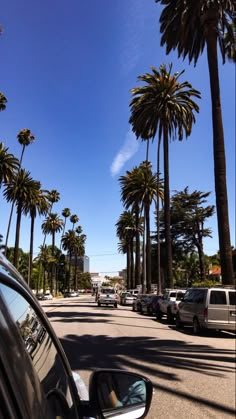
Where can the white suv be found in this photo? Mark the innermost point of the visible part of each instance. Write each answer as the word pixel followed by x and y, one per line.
pixel 169 297
pixel 107 296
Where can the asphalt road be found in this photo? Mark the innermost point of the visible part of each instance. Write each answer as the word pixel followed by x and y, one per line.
pixel 193 376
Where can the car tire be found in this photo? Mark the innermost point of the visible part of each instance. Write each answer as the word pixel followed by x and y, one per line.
pixel 196 326
pixel 115 305
pixel 99 304
pixel 159 315
pixel 170 318
pixel 178 323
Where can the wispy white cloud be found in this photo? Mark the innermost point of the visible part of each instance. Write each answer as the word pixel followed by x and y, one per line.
pixel 129 148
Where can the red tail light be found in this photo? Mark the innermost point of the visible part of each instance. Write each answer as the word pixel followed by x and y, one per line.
pixel 99 294
pixel 116 296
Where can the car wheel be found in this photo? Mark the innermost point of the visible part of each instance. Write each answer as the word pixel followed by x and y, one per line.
pixel 170 318
pixel 133 308
pixel 178 322
pixel 196 326
pixel 99 304
pixel 159 315
pixel 115 305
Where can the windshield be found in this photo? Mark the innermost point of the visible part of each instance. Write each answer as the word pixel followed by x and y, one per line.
pixel 107 291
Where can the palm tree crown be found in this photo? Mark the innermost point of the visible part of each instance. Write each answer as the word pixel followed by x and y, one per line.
pixel 3 101
pixel 8 165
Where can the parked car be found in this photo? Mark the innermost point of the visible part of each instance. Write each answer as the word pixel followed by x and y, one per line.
pixel 71 294
pixel 134 291
pixel 47 296
pixel 107 296
pixel 36 378
pixel 172 307
pixel 126 299
pixel 149 304
pixel 136 306
pixel 168 297
pixel 208 308
pixel 39 296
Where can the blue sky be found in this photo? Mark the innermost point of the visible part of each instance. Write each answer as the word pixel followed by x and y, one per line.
pixel 67 68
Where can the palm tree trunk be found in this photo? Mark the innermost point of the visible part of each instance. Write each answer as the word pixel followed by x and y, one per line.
pixel 219 163
pixel 31 251
pixel 148 250
pixel 159 283
pixel 167 210
pixel 137 250
pixel 17 238
pixel 13 202
pixel 128 267
pixel 132 261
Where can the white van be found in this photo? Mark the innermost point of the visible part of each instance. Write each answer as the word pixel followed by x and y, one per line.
pixel 208 308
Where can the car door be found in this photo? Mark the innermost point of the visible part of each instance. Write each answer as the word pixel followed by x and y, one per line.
pixel 218 307
pixel 37 353
pixel 232 308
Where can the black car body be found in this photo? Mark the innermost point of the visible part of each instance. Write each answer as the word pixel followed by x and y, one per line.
pixel 36 380
pixel 149 304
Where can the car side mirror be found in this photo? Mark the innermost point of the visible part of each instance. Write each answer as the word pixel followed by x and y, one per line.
pixel 118 394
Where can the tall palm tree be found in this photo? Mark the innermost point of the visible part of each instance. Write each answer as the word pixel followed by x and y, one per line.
pixel 21 190
pixel 3 101
pixel 164 106
pixel 138 190
pixel 25 138
pixel 189 27
pixel 37 205
pixel 65 213
pixel 79 251
pixel 52 197
pixel 52 225
pixel 9 165
pixel 68 244
pixel 74 219
pixel 44 258
pixel 125 230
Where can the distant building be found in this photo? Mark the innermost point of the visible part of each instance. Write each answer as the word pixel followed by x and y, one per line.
pixel 82 263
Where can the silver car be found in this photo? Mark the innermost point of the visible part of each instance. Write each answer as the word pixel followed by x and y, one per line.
pixel 207 308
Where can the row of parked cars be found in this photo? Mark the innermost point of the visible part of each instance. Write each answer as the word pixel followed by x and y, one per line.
pixel 201 308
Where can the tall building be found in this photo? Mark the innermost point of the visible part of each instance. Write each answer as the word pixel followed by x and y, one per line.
pixel 82 263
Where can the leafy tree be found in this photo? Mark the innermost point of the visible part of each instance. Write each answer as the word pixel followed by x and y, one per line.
pixel 165 107
pixel 189 26
pixel 188 215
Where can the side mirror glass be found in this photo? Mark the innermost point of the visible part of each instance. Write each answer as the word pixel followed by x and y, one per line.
pixel 119 393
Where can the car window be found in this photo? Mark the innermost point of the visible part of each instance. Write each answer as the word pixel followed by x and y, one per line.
pixel 232 298
pixel 188 296
pixel 218 297
pixel 172 294
pixel 198 296
pixel 42 351
pixel 108 291
pixel 179 296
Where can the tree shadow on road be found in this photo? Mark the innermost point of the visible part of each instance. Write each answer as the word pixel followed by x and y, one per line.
pixel 148 356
